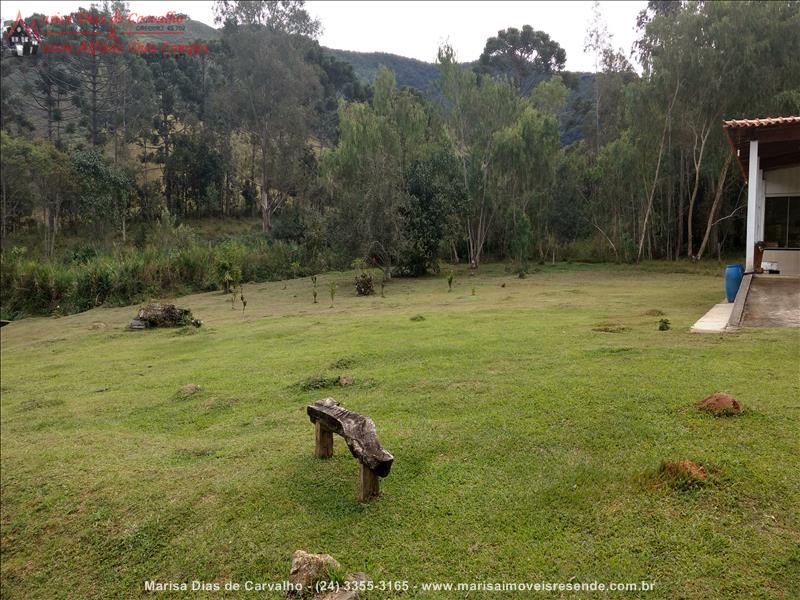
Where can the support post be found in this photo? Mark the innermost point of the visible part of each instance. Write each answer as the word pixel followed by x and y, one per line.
pixel 369 485
pixel 753 207
pixel 324 438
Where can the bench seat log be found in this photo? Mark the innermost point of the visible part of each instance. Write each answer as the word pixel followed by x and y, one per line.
pixel 359 433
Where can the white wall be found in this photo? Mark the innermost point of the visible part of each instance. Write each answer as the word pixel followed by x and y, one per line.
pixel 783 182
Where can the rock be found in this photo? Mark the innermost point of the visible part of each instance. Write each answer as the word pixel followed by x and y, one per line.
pixel 189 389
pixel 720 405
pixel 344 381
pixel 308 569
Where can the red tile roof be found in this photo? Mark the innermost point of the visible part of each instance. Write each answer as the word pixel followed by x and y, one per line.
pixel 740 123
pixel 778 137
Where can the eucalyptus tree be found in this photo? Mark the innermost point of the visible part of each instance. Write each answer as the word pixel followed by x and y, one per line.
pixel 472 114
pixel 525 157
pixel 721 58
pixel 271 91
pixel 364 174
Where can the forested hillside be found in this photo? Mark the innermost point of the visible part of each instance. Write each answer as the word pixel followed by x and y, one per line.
pixel 407 71
pixel 343 157
pixel 424 76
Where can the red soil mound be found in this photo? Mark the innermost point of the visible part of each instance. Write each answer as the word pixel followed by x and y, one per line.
pixel 682 474
pixel 683 468
pixel 720 404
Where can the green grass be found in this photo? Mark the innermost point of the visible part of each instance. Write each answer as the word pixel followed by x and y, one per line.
pixel 526 442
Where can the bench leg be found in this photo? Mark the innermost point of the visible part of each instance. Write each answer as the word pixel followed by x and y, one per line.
pixel 368 484
pixel 324 438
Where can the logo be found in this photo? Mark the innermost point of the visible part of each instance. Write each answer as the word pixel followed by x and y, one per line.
pixel 22 39
pixel 100 33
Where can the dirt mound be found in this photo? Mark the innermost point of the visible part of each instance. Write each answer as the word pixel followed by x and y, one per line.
pixel 682 474
pixel 721 405
pixel 654 312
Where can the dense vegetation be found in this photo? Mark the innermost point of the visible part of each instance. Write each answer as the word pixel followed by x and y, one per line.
pixel 268 123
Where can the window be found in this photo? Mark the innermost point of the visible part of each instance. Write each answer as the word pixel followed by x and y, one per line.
pixel 782 222
pixel 794 223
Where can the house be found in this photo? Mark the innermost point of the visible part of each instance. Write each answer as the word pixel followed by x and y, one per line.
pixel 768 153
pixel 22 40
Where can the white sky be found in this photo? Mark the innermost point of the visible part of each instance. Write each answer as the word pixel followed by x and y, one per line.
pixel 415 29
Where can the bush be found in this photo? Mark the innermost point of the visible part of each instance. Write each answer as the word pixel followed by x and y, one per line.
pixel 365 284
pixel 193 268
pixel 82 254
pixel 94 284
pixel 228 258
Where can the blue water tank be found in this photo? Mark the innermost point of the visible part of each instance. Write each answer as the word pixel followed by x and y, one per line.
pixel 733 278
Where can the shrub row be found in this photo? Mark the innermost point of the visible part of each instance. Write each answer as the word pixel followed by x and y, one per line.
pixel 44 288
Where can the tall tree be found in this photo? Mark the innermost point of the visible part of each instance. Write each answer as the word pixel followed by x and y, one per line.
pixel 272 90
pixel 472 114
pixel 521 53
pixel 286 16
pixel 365 173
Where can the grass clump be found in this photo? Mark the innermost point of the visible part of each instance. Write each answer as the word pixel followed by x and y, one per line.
pixel 417 318
pixel 610 328
pixel 317 382
pixel 343 363
pixel 663 325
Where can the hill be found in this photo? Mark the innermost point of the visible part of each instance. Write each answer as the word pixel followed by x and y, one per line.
pixel 408 71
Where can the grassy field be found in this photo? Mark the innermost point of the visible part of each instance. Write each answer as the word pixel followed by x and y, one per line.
pixel 525 441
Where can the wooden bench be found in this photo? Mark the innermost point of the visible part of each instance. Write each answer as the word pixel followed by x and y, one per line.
pixel 362 439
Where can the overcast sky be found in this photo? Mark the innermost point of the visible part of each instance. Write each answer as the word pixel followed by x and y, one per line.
pixel 416 29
